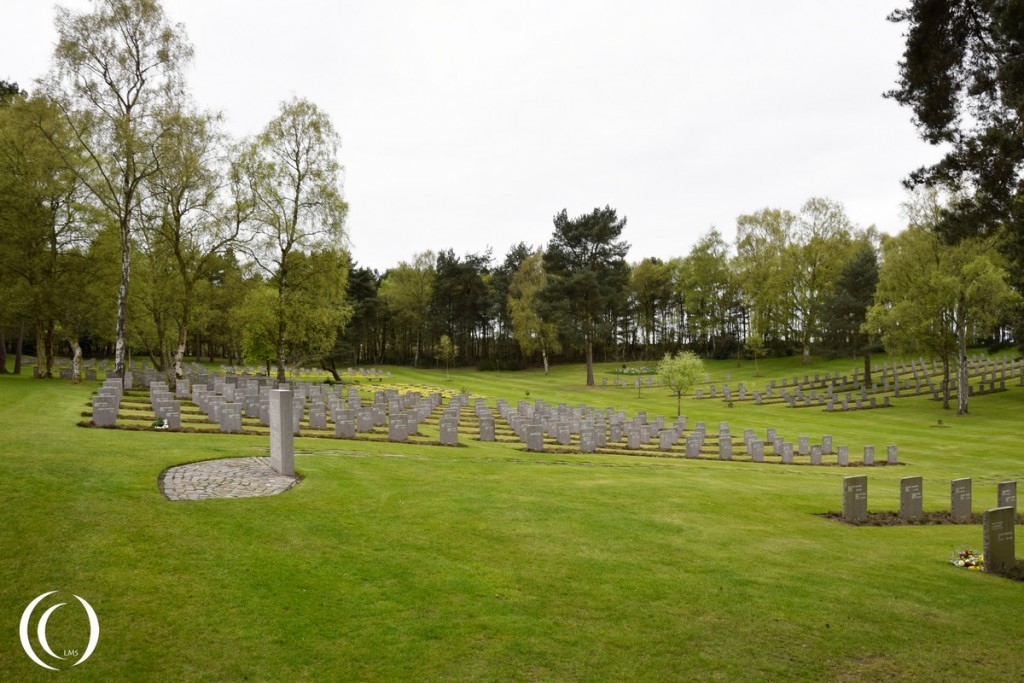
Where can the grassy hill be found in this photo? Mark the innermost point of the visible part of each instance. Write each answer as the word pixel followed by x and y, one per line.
pixel 486 563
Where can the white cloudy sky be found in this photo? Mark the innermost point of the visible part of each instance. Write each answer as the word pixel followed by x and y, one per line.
pixel 470 123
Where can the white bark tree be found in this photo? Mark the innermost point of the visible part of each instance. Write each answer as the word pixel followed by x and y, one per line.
pixel 114 69
pixel 292 182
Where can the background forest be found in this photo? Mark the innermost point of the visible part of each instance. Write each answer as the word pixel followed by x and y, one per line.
pixel 132 224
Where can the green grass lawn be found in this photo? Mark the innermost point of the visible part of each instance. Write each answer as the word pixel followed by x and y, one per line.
pixel 487 563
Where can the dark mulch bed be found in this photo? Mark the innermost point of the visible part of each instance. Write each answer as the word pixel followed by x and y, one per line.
pixel 893 519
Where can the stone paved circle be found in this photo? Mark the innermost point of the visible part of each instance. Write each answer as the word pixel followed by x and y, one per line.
pixel 225 478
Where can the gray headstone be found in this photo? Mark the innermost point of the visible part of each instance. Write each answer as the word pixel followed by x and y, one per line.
pixel 535 437
pixel 855 498
pixel 815 454
pixel 345 425
pixel 692 446
pixel 104 411
pixel 487 429
pixel 587 441
pixel 911 498
pixel 563 434
pixel 787 453
pixel 960 499
pixel 398 428
pixel 756 451
pixel 999 539
pixel 282 438
pixel 843 455
pixel 449 431
pixel 890 455
pixel 725 447
pixel 1006 494
pixel 231 418
pixel 869 455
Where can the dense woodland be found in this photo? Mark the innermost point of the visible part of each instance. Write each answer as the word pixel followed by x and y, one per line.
pixel 131 224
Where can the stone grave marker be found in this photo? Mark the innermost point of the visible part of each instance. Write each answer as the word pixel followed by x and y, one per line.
pixel 317 415
pixel 999 539
pixel 911 498
pixel 487 428
pixel 960 500
pixel 563 434
pixel 450 431
pixel 725 447
pixel 231 418
pixel 692 446
pixel 869 455
pixel 890 455
pixel 1006 494
pixel 855 498
pixel 843 455
pixel 398 428
pixel 587 441
pixel 756 451
pixel 345 424
pixel 282 438
pixel 535 437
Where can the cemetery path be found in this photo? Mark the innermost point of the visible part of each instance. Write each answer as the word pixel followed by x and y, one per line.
pixel 224 478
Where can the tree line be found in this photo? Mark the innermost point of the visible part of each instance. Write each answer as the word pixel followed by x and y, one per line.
pixel 131 223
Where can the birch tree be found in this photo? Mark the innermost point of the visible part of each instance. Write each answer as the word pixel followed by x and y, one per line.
pixel 292 180
pixel 114 69
pixel 190 220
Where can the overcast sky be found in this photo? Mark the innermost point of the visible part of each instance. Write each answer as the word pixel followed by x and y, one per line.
pixel 468 124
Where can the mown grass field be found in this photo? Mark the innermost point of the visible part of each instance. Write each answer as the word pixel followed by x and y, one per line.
pixel 487 563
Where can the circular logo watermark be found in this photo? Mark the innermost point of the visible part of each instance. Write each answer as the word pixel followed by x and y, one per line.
pixel 41 638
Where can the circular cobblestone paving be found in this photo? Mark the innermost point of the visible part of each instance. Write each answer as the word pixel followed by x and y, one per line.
pixel 226 478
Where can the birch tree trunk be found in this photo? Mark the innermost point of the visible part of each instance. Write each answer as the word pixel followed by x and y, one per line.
pixel 76 361
pixel 962 388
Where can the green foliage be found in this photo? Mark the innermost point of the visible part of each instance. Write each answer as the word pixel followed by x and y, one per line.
pixel 652 290
pixel 115 68
pixel 290 182
pixel 534 321
pixel 407 291
pixel 460 299
pixel 936 299
pixel 587 272
pixel 446 352
pixel 845 308
pixel 679 372
pixel 961 76
pixel 256 320
pixel 710 293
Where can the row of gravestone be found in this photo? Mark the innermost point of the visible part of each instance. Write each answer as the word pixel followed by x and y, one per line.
pixel 998 522
pixel 855 498
pixel 596 429
pixel 226 401
pixel 403 413
pixel 991 374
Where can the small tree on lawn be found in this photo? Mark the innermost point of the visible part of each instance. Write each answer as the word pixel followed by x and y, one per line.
pixel 679 373
pixel 755 345
pixel 446 352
